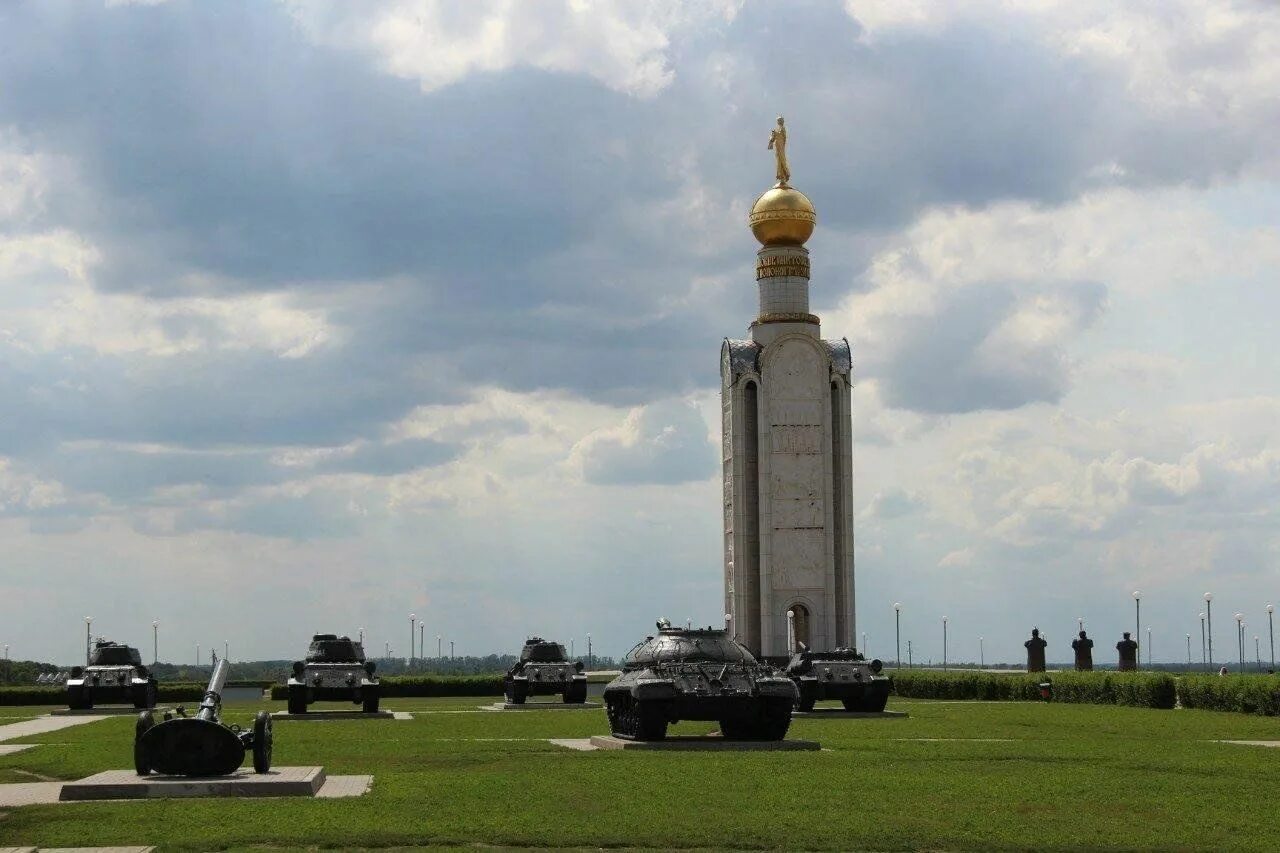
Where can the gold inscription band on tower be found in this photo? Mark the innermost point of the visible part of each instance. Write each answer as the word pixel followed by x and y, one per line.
pixel 782 265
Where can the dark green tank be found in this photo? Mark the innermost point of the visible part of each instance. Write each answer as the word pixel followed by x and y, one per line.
pixel 698 674
pixel 842 674
pixel 545 670
pixel 115 674
pixel 335 670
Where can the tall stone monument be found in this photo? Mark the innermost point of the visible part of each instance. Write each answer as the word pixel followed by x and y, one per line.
pixel 788 472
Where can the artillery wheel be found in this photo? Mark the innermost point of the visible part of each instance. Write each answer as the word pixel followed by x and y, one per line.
pixel 263 742
pixel 297 699
pixel 141 762
pixel 371 697
pixel 517 692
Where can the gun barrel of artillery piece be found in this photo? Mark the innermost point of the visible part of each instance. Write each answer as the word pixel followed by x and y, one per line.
pixel 212 701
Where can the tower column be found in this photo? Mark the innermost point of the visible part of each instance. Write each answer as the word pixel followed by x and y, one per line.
pixel 787 467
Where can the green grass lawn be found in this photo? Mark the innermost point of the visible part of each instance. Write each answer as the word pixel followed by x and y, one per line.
pixel 998 776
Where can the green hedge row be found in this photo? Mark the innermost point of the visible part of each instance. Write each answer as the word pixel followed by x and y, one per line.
pixel 427 685
pixel 35 694
pixel 1141 689
pixel 41 694
pixel 1243 694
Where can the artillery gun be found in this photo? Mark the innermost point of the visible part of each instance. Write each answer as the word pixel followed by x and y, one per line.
pixel 114 674
pixel 335 670
pixel 201 745
pixel 543 670
pixel 842 674
pixel 698 674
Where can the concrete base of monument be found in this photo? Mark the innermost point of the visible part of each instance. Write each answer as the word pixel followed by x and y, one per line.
pixel 842 714
pixel 107 711
pixel 705 742
pixel 541 706
pixel 128 785
pixel 335 715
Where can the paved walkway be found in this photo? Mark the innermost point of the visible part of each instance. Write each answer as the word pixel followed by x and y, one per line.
pixel 41 725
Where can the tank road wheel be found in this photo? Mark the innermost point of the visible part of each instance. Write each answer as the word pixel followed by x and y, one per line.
pixel 734 728
pixel 517 692
pixel 575 693
pixel 144 696
pixel 75 698
pixel 615 708
pixel 263 742
pixel 651 722
pixel 775 719
pixel 141 761
pixel 297 699
pixel 371 697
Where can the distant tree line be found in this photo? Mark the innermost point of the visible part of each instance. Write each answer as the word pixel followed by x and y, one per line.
pixel 25 672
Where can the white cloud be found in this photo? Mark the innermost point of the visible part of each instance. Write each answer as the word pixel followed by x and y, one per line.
pixel 1210 55
pixel 49 303
pixel 623 45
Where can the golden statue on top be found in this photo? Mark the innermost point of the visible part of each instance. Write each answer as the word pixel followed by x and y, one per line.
pixel 782 216
pixel 778 145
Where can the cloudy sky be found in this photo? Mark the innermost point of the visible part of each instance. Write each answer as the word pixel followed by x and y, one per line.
pixel 315 314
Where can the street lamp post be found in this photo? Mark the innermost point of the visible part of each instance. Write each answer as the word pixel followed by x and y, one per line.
pixel 1240 639
pixel 451 650
pixel 360 631
pixel 226 650
pixel 982 655
pixel 422 633
pixel 413 630
pixel 197 654
pixel 88 643
pixel 1204 658
pixel 864 643
pixel 897 634
pixel 944 643
pixel 1080 622
pixel 1188 652
pixel 1137 621
pixel 1208 609
pixel 909 661
pixel 572 647
pixel 1271 633
pixel 439 651
pixel 589 659
pixel 1148 646
pixel 1257 651
pixel 155 642
pixel 791 631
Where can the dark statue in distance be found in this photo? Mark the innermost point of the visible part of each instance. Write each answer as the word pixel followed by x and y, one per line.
pixel 200 745
pixel 114 674
pixel 544 670
pixel 1083 648
pixel 1035 651
pixel 698 674
pixel 840 674
pixel 335 670
pixel 1128 649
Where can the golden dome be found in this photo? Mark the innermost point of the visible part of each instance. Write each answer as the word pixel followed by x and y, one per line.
pixel 783 216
